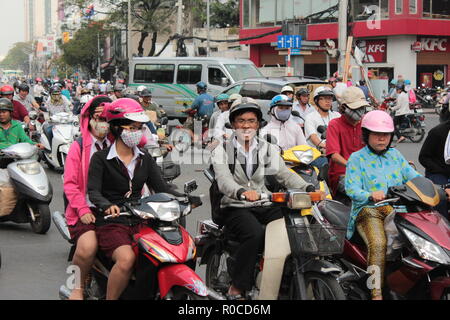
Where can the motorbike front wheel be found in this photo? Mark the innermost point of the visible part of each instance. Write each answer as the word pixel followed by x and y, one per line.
pixel 418 137
pixel 42 215
pixel 318 287
pixel 217 276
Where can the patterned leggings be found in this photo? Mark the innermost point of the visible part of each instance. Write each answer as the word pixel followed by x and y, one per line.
pixel 370 225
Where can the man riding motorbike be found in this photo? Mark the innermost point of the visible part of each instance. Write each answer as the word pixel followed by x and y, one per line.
pixel 223 103
pixel 25 98
pixel 252 159
pixel 117 94
pixel 344 138
pixel 281 125
pixel 302 106
pixel 56 103
pixel 401 109
pixel 370 172
pixel 19 113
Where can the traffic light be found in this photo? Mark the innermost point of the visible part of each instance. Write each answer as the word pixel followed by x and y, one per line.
pixel 66 37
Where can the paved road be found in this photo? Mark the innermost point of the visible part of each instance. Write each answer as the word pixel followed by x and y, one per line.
pixel 34 266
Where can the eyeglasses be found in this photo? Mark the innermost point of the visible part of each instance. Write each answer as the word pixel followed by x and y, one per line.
pixel 249 121
pixel 133 128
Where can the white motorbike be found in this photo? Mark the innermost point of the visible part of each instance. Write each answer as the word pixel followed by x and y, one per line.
pixel 57 136
pixel 31 185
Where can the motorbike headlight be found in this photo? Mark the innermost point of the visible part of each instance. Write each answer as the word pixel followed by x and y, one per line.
pixel 305 157
pixel 426 249
pixel 30 168
pixel 428 97
pixel 144 215
pixel 166 211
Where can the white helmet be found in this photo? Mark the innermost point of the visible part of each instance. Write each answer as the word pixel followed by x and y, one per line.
pixel 287 89
pixel 140 88
pixel 323 91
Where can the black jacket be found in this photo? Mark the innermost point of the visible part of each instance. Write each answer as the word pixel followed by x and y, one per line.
pixel 432 154
pixel 108 182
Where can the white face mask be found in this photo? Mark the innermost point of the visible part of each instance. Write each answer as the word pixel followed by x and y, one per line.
pixel 101 127
pixel 131 139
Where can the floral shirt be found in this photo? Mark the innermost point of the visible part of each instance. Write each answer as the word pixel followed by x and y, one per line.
pixel 367 172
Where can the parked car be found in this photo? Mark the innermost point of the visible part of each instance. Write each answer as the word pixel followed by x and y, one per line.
pixel 264 89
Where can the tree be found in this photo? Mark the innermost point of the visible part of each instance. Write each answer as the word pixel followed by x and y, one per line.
pixel 18 56
pixel 82 50
pixel 149 17
pixel 224 15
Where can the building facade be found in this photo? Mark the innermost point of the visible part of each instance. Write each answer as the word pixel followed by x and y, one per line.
pixel 410 38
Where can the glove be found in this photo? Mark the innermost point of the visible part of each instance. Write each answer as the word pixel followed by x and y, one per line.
pixel 195 201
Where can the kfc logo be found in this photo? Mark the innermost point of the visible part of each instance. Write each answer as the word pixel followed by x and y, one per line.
pixel 375 50
pixel 435 45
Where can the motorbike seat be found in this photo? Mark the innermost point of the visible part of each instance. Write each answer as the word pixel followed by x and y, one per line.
pixel 335 212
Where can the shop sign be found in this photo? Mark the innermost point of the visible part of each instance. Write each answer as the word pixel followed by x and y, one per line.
pixel 435 44
pixel 374 50
pixel 438 75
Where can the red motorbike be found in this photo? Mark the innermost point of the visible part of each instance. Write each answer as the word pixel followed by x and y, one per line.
pixel 182 136
pixel 165 252
pixel 418 256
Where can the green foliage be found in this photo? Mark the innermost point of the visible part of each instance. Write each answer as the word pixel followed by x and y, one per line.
pixel 224 15
pixel 18 56
pixel 82 50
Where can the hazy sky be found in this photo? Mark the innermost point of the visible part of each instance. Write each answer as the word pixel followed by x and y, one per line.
pixel 12 24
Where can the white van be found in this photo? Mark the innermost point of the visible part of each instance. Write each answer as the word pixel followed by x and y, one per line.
pixel 172 80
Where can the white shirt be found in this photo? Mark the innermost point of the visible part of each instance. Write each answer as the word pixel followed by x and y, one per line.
pixel 303 112
pixel 313 120
pixel 248 155
pixel 38 89
pixel 220 129
pixel 132 165
pixel 288 134
pixel 402 106
pixel 100 143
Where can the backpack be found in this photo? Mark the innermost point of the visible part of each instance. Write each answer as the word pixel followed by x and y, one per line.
pixel 79 140
pixel 215 195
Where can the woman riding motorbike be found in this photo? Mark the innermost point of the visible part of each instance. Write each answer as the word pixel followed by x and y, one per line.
pixel 370 172
pixel 116 176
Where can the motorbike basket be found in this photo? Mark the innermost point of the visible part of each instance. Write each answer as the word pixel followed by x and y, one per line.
pixel 316 239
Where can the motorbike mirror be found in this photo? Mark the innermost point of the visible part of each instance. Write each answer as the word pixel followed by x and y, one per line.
pixel 164 121
pixel 224 82
pixel 321 129
pixel 190 186
pixel 296 114
pixel 323 173
pixel 263 123
pixel 228 125
pixel 33 115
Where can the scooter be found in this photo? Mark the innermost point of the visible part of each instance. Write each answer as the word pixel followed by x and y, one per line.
pixel 181 137
pixel 30 182
pixel 65 129
pixel 418 253
pixel 413 125
pixel 161 244
pixel 293 265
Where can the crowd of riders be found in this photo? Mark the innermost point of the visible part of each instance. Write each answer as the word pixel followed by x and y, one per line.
pixel 108 166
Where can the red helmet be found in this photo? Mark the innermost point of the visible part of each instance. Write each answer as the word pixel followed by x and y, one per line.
pixel 6 90
pixel 38 80
pixel 125 108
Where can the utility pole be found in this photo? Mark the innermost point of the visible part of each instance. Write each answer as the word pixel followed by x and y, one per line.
pixel 179 16
pixel 343 7
pixel 129 46
pixel 98 57
pixel 208 31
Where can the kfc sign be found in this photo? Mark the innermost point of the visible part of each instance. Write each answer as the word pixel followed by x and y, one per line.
pixel 435 44
pixel 375 50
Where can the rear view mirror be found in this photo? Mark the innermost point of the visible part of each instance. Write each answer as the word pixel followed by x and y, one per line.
pixel 164 121
pixel 296 114
pixel 224 82
pixel 190 186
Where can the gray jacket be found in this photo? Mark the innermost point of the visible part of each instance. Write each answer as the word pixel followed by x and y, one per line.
pixel 269 163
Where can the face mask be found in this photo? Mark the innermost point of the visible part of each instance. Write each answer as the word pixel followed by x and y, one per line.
pixel 282 115
pixel 131 139
pixel 355 115
pixel 101 127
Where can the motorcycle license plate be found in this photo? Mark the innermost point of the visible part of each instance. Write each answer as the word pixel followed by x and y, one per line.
pixel 419 110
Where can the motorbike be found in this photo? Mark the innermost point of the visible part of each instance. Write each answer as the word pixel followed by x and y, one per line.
pixel 161 244
pixel 181 137
pixel 412 125
pixel 418 253
pixel 442 101
pixel 293 264
pixel 31 184
pixel 65 129
pixel 427 97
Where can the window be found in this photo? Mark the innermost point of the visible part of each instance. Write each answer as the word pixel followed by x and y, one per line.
pixel 243 71
pixel 154 73
pixel 251 89
pixel 189 73
pixel 215 76
pixel 413 6
pixel 436 9
pixel 366 9
pixel 269 90
pixel 398 6
pixel 246 14
pixel 235 89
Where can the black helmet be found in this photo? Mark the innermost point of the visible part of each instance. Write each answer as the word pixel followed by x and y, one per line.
pixel 400 86
pixel 247 104
pixel 56 89
pixel 6 104
pixel 302 91
pixel 145 93
pixel 24 87
pixel 16 84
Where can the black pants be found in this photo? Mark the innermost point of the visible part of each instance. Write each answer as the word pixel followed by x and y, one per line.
pixel 397 123
pixel 247 225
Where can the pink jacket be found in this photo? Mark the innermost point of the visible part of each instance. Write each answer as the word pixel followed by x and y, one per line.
pixel 76 171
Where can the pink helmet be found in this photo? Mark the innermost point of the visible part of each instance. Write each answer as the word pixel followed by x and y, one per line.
pixel 125 108
pixel 378 121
